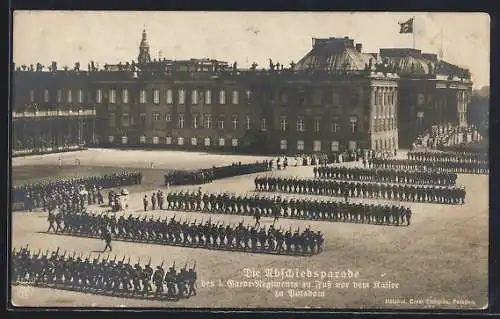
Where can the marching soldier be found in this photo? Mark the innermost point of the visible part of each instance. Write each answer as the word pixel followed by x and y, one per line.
pixel 51 219
pixel 136 278
pixel 107 238
pixel 146 278
pixel 257 219
pixel 191 278
pixel 98 277
pixel 170 279
pixel 158 279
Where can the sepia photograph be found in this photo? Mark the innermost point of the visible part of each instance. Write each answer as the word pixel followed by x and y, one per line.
pixel 304 160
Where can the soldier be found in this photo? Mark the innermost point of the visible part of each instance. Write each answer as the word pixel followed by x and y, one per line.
pixel 51 219
pixel 257 219
pixel 181 281
pixel 276 210
pixel 107 238
pixel 146 278
pixel 191 279
pixel 145 202
pixel 136 277
pixel 153 201
pixel 158 280
pixel 408 216
pixel 161 199
pixel 59 221
pixel 170 279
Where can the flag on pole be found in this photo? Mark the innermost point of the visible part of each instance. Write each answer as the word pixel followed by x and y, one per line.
pixel 406 27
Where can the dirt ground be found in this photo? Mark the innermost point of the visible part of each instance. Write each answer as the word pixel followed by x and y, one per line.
pixel 439 261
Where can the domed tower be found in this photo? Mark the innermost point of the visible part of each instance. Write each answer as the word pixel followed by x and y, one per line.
pixel 144 56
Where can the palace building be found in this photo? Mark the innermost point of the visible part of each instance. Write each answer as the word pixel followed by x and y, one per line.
pixel 335 98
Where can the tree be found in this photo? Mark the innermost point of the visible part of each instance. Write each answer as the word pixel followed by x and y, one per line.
pixel 479 109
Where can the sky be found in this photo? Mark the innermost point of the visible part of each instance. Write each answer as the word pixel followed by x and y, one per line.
pixel 244 37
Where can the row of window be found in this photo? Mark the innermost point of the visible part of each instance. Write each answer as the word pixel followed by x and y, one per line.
pixel 197 96
pixel 178 141
pixel 316 98
pixel 206 121
pixel 69 96
pixel 334 126
pixel 317 145
pixel 207 141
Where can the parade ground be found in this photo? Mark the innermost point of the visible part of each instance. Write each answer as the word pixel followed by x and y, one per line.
pixel 439 261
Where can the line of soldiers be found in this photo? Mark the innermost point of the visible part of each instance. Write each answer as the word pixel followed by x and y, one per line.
pixel 460 157
pixel 101 276
pixel 36 191
pixel 276 207
pixel 217 172
pixel 192 234
pixel 237 169
pixel 478 147
pixel 386 175
pixel 452 167
pixel 346 189
pixel 189 177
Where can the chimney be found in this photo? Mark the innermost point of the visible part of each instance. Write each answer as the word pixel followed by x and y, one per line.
pixel 359 46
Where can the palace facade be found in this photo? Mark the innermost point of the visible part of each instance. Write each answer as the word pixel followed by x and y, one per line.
pixel 335 98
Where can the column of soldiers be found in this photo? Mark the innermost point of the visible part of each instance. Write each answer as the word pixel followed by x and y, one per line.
pixel 237 169
pixel 478 167
pixel 35 194
pixel 265 206
pixel 100 275
pixel 57 213
pixel 189 177
pixel 214 173
pixel 461 157
pixel 386 175
pixel 476 147
pixel 347 189
pixel 206 235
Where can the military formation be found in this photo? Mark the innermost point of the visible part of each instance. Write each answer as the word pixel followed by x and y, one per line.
pixel 38 195
pixel 277 207
pixel 196 177
pixel 347 189
pixel 474 167
pixel 423 177
pixel 386 175
pixel 206 235
pixel 217 172
pixel 460 157
pixel 101 275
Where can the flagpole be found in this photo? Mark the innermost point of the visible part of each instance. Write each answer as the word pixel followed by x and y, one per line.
pixel 414 24
pixel 442 52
